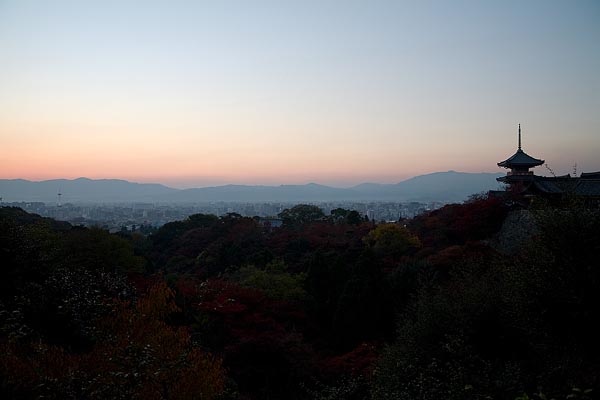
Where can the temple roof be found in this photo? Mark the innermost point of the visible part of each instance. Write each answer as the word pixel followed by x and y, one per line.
pixel 555 185
pixel 583 186
pixel 520 159
pixel 588 184
pixel 590 175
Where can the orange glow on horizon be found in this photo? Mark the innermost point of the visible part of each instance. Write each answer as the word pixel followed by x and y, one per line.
pixel 193 100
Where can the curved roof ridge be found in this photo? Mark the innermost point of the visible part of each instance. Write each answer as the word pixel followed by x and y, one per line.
pixel 520 158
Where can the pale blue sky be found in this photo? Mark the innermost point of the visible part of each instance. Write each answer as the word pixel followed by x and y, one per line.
pixel 193 93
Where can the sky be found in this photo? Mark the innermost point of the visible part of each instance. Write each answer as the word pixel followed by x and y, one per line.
pixel 199 93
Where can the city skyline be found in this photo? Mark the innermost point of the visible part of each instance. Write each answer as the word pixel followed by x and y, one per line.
pixel 195 94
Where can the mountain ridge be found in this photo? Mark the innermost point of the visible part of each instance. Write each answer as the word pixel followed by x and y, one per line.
pixel 449 186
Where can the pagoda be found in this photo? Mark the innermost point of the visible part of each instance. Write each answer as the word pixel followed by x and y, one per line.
pixel 521 180
pixel 519 164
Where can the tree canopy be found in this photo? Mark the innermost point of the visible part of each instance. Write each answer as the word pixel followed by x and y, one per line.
pixel 301 214
pixel 323 307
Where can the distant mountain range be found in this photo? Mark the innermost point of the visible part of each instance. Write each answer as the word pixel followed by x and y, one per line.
pixel 81 190
pixel 448 186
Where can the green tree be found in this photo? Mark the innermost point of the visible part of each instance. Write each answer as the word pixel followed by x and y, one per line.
pixel 341 215
pixel 301 214
pixel 274 281
pixel 391 240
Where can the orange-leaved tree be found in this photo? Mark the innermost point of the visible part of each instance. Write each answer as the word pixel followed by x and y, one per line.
pixel 155 358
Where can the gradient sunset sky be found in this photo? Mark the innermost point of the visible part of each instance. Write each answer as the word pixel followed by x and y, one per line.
pixel 197 93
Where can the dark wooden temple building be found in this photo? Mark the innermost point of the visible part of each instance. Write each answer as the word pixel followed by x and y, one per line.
pixel 521 180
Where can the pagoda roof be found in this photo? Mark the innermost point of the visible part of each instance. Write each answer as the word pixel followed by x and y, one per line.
pixel 520 159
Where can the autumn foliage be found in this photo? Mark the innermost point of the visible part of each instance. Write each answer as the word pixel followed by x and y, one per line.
pixel 137 355
pixel 324 307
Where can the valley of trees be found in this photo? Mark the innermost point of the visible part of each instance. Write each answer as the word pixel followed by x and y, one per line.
pixel 324 307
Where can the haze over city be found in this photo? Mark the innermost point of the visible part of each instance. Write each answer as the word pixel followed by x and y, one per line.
pixel 193 94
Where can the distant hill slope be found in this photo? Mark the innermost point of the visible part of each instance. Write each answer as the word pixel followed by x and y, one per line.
pixel 448 186
pixel 284 193
pixel 81 190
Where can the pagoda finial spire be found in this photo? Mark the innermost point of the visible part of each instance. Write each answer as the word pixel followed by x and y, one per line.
pixel 519 136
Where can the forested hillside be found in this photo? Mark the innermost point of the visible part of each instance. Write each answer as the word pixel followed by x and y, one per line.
pixel 324 307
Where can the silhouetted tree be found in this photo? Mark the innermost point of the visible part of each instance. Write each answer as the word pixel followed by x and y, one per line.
pixel 301 214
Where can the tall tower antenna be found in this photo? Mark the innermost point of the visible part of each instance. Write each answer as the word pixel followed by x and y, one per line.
pixel 519 136
pixel 59 196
